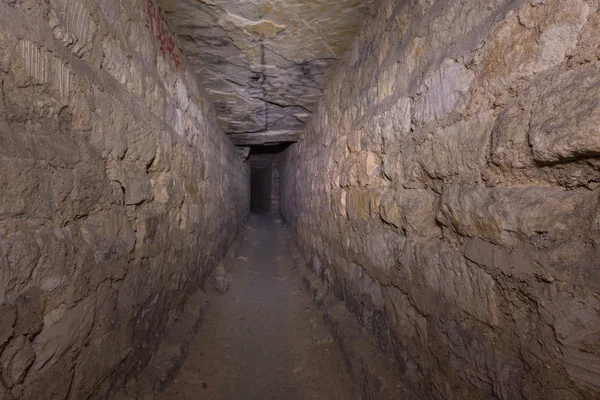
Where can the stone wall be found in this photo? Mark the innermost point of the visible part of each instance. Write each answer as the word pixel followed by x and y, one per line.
pixel 118 193
pixel 448 192
pixel 289 169
pixel 275 186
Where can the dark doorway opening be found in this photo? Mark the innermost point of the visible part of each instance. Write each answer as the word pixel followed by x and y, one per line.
pixel 260 196
pixel 264 163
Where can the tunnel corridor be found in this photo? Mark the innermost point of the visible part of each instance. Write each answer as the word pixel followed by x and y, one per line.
pixel 300 199
pixel 260 194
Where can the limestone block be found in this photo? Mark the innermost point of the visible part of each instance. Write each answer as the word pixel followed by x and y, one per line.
pixel 53 270
pixel 508 215
pixel 349 173
pixel 29 312
pixel 155 98
pixel 413 210
pixel 15 146
pixel 392 166
pixel 455 24
pixel 93 362
pixel 510 142
pixel 515 262
pixel 375 195
pixel 370 168
pixel 391 211
pixel 64 329
pixel 375 251
pixel 133 180
pixel 55 380
pixel 395 123
pixel 561 31
pixel 119 66
pixel 110 9
pixel 141 144
pixel 587 46
pixel 565 119
pixel 338 202
pixel 72 25
pixel 222 279
pixel 419 211
pixel 57 151
pixel 442 91
pixel 406 319
pixel 35 62
pixel 162 187
pixel 16 359
pixel 25 189
pixel 5 393
pixel 9 315
pixel 194 214
pixel 481 363
pixel 150 234
pixel 533 39
pixel 386 84
pixel 81 104
pixel 109 122
pixel 372 289
pixel 22 257
pixel 458 150
pixel 576 321
pixel 358 204
pixel 354 140
pixel 446 272
pixel 110 235
pixel 90 186
pixel 371 138
pixel 163 152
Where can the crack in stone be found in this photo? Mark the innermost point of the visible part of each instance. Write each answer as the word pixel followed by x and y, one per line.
pixel 283 105
pixel 257 82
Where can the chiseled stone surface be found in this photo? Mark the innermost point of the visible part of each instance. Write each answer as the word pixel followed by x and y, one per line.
pixel 446 188
pixel 118 195
pixel 264 63
pixel 574 135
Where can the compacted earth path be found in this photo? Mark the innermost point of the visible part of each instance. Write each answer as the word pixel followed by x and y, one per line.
pixel 263 338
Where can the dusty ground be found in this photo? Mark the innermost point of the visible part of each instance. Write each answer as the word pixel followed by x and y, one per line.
pixel 264 338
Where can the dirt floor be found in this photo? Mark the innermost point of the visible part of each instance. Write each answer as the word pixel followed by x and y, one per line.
pixel 264 338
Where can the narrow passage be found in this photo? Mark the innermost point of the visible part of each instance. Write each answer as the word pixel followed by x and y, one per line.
pixel 264 338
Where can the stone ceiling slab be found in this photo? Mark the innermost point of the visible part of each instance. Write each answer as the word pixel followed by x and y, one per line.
pixel 264 62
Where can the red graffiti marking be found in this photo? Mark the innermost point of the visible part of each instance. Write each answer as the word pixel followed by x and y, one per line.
pixel 155 21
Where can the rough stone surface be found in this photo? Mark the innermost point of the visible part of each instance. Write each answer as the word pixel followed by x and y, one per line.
pixel 169 357
pixel 504 215
pixel 575 135
pixel 222 280
pixel 446 189
pixel 118 194
pixel 265 63
pixel 372 369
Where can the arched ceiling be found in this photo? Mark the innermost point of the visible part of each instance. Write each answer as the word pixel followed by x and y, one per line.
pixel 264 63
